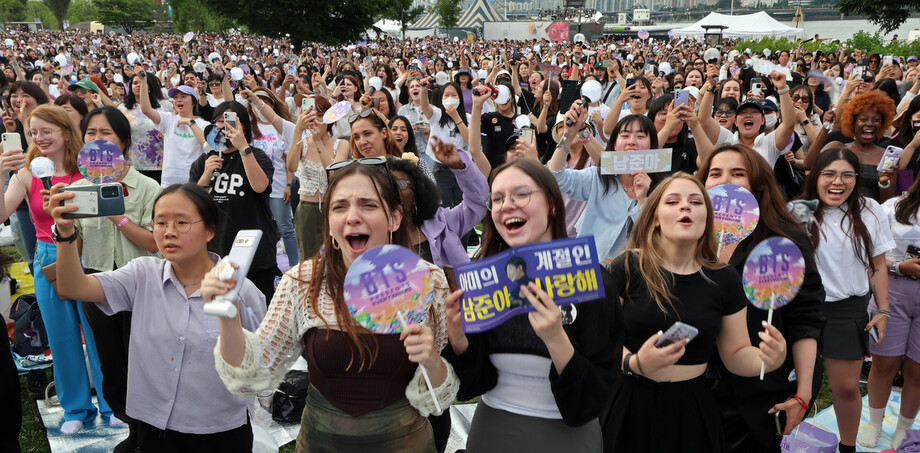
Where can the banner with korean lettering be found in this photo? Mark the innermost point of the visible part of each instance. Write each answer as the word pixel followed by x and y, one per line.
pixel 567 269
pixel 626 162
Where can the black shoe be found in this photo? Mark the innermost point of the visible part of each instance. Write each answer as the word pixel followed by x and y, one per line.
pixel 36 382
pixel 129 445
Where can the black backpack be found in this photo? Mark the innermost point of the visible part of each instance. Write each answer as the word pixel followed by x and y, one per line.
pixel 29 333
pixel 290 399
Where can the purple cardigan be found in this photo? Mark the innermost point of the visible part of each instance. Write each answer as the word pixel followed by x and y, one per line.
pixel 445 228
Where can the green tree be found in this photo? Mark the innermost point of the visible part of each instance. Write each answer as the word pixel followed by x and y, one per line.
pixel 324 21
pixel 81 11
pixel 403 12
pixel 130 15
pixel 12 10
pixel 192 15
pixel 887 14
pixel 41 11
pixel 59 9
pixel 449 10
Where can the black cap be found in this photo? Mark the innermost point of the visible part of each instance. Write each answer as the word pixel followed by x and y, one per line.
pixel 749 103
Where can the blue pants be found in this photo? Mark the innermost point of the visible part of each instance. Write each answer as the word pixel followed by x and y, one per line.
pixel 63 319
pixel 284 218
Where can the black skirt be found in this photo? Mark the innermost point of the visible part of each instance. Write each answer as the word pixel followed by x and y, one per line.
pixel 844 336
pixel 653 417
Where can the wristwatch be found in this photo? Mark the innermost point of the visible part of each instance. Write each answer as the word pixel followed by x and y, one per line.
pixel 896 268
pixel 69 239
pixel 246 152
pixel 804 122
pixel 191 122
pixel 584 134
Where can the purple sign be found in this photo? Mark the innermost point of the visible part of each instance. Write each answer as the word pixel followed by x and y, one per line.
pixel 385 282
pixel 101 161
pixel 735 211
pixel 146 151
pixel 567 269
pixel 773 273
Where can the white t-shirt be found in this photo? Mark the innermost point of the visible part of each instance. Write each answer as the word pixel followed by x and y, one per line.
pixel 842 273
pixel 449 133
pixel 764 144
pixel 604 110
pixel 276 148
pixel 180 148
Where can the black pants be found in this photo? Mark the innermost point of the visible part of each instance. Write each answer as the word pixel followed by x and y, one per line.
pixel 154 440
pixel 10 402
pixel 265 280
pixel 112 335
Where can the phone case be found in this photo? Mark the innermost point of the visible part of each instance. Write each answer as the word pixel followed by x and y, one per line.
pixel 12 142
pixel 677 332
pixel 913 252
pixel 91 203
pixel 243 251
pixel 890 158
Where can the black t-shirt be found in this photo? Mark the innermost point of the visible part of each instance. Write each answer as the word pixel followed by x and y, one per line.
pixel 683 157
pixel 245 209
pixel 697 300
pixel 496 128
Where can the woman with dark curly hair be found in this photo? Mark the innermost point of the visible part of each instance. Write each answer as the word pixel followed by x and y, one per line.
pixel 864 119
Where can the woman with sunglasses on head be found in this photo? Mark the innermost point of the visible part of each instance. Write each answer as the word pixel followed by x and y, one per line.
pixel 888 356
pixel 367 392
pixel 180 145
pixel 56 137
pixel 850 236
pixel 748 405
pixel 108 245
pixel 240 180
pixel 174 391
pixel 669 273
pixel 544 380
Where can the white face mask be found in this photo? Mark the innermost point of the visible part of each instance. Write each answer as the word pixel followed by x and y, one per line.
pixel 770 119
pixel 452 102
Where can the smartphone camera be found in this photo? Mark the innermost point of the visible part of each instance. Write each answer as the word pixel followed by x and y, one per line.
pixel 109 191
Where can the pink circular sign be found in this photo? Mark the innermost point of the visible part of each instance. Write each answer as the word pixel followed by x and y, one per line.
pixel 337 112
pixel 736 212
pixel 188 36
pixel 101 161
pixel 385 281
pixel 773 273
pixel 643 34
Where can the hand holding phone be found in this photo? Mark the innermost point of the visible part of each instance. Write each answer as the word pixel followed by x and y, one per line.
pixel 97 200
pixel 230 119
pixel 890 158
pixel 243 251
pixel 756 86
pixel 678 331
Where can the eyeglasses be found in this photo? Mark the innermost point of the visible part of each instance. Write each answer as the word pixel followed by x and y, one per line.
pixel 831 176
pixel 724 112
pixel 875 61
pixel 797 98
pixel 43 132
pixel 362 114
pixel 520 197
pixel 181 225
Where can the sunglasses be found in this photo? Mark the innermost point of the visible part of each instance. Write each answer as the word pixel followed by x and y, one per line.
pixel 724 112
pixel 214 84
pixel 372 161
pixel 796 98
pixel 362 114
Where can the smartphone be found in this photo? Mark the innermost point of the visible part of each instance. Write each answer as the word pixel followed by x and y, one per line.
pixel 756 86
pixel 858 72
pixel 780 418
pixel 848 69
pixel 890 158
pixel 230 118
pixel 678 331
pixel 292 70
pixel 888 60
pixel 97 200
pixel 793 66
pixel 873 333
pixel 681 97
pixel 451 277
pixel 630 79
pixel 241 253
pixel 527 135
pixel 307 103
pixel 12 141
pixel 913 252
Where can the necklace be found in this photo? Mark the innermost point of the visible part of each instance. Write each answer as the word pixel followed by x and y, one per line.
pixel 185 286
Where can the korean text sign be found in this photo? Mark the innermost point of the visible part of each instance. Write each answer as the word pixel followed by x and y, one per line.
pixel 568 270
pixel 626 162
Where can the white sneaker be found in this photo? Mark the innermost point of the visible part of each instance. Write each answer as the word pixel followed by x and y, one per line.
pixel 25 270
pixel 71 427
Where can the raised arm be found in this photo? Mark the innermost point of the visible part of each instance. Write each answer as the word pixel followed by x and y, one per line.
pixel 561 153
pixel 709 124
pixel 480 94
pixel 146 108
pixel 71 281
pixel 423 97
pixel 787 126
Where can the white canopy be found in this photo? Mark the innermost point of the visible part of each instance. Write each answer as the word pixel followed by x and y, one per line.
pixel 757 24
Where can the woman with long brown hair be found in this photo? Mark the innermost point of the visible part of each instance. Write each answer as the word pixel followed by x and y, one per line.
pixel 367 392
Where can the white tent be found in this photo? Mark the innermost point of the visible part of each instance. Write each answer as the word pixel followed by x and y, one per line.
pixel 748 25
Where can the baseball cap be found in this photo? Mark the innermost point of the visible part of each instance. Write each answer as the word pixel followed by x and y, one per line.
pixel 86 85
pixel 749 103
pixel 183 89
pixel 912 58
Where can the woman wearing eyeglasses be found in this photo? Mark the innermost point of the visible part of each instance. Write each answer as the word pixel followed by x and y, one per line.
pixel 174 391
pixel 544 381
pixel 851 235
pixel 367 392
pixel 55 136
pixel 239 179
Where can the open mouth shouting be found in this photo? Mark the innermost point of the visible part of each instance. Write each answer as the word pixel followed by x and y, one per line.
pixel 514 225
pixel 685 221
pixel 868 133
pixel 357 242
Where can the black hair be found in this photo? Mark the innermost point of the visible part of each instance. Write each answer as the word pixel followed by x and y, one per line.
pixel 117 121
pixel 437 101
pixel 411 146
pixel 906 131
pixel 645 125
pixel 662 103
pixel 517 261
pixel 31 89
pixel 427 193
pixel 242 116
pixel 75 101
pixel 153 92
pixel 890 88
pixel 211 214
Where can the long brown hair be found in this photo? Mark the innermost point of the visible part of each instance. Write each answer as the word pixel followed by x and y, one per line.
pixel 73 141
pixel 492 242
pixel 645 244
pixel 329 265
pixel 905 211
pixel 389 143
pixel 775 218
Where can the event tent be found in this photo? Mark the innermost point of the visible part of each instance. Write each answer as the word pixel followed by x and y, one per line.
pixel 477 14
pixel 748 25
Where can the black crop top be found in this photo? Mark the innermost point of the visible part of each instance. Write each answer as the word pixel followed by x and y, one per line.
pixel 696 301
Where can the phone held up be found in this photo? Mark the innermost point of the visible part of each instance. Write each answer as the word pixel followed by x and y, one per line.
pixel 97 200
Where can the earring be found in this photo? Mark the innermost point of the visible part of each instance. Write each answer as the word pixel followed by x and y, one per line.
pixel 335 245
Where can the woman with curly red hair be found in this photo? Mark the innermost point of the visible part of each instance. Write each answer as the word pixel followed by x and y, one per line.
pixel 865 119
